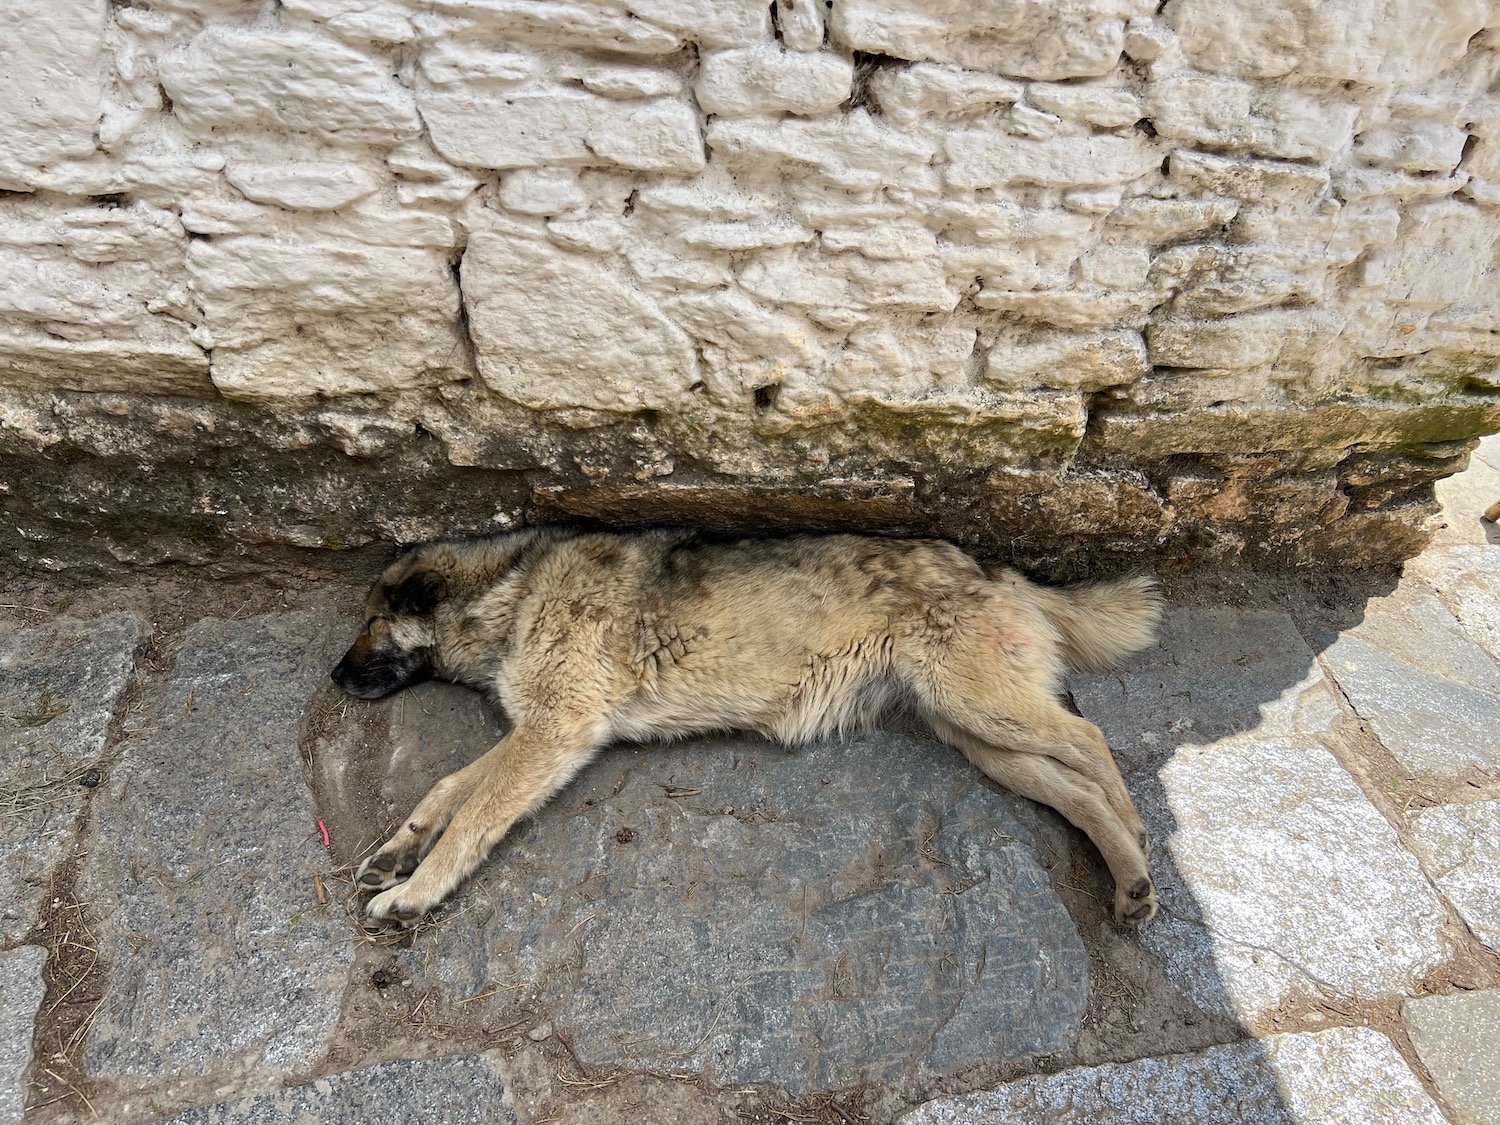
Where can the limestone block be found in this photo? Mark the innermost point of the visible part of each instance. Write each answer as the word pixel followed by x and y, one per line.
pixel 1046 357
pixel 745 345
pixel 313 311
pixel 1259 181
pixel 302 185
pixel 765 80
pixel 1106 106
pixel 854 150
pixel 358 21
pixel 901 239
pixel 51 72
pixel 850 281
pixel 1227 112
pixel 906 94
pixel 563 23
pixel 756 235
pixel 1441 258
pixel 905 363
pixel 1071 308
pixel 986 157
pixel 1427 146
pixel 1048 39
pixel 450 62
pixel 538 191
pixel 594 236
pixel 801 24
pixel 95 298
pixel 714 196
pixel 1403 42
pixel 493 127
pixel 711 23
pixel 629 81
pixel 1084 504
pixel 286 79
pixel 553 328
pixel 1232 342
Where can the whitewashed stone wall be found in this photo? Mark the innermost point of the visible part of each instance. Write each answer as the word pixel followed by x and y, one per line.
pixel 1229 264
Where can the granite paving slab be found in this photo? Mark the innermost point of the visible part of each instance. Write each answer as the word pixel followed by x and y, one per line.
pixel 59 686
pixel 204 849
pixel 850 911
pixel 21 992
pixel 1276 874
pixel 1344 1076
pixel 1466 579
pixel 1457 1038
pixel 459 1090
pixel 1430 692
pixel 1459 847
pixel 1211 673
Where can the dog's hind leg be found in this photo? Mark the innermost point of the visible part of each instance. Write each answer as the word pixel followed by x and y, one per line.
pixel 1043 778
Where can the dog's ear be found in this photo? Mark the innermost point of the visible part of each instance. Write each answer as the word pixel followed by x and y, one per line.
pixel 417 593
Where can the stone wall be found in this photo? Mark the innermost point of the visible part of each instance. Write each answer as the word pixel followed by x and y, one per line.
pixel 1217 280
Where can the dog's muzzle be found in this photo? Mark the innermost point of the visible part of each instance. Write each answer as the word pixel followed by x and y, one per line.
pixel 371 677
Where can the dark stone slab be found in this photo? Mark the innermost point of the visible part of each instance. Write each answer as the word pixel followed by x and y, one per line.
pixel 205 844
pixel 461 1090
pixel 59 686
pixel 860 911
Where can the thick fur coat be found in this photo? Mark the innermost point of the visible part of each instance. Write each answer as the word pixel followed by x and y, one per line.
pixel 587 638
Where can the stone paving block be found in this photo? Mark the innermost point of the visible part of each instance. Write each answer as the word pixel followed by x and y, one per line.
pixel 21 992
pixel 1458 1040
pixel 1459 847
pixel 204 848
pixel 59 686
pixel 1432 696
pixel 846 911
pixel 459 1090
pixel 1276 874
pixel 1344 1076
pixel 1467 580
pixel 1211 673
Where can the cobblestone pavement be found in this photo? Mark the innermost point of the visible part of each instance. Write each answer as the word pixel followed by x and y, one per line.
pixel 730 931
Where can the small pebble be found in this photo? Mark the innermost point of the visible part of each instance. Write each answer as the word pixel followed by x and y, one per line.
pixel 537 1034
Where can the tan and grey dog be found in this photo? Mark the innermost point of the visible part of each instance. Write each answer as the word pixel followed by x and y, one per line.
pixel 587 638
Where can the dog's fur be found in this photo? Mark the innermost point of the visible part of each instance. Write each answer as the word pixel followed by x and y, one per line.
pixel 587 638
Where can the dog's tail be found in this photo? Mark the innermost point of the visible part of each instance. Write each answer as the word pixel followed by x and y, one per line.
pixel 1101 623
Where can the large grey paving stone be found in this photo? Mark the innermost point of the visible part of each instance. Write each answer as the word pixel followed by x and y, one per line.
pixel 1467 580
pixel 459 1090
pixel 21 992
pixel 1345 1076
pixel 204 849
pixel 1459 847
pixel 59 687
pixel 1458 1040
pixel 850 911
pixel 1431 694
pixel 1211 673
pixel 1276 874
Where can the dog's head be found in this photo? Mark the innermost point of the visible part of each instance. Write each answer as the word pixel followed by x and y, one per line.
pixel 397 645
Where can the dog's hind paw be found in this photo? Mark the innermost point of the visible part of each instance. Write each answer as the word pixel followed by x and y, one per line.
pixel 1135 904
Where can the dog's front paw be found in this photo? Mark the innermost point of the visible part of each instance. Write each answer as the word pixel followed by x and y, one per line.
pixel 1135 904
pixel 399 906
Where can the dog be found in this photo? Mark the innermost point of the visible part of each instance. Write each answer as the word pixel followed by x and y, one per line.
pixel 589 637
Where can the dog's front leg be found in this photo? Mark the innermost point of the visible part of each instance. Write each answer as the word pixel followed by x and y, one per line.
pixel 523 770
